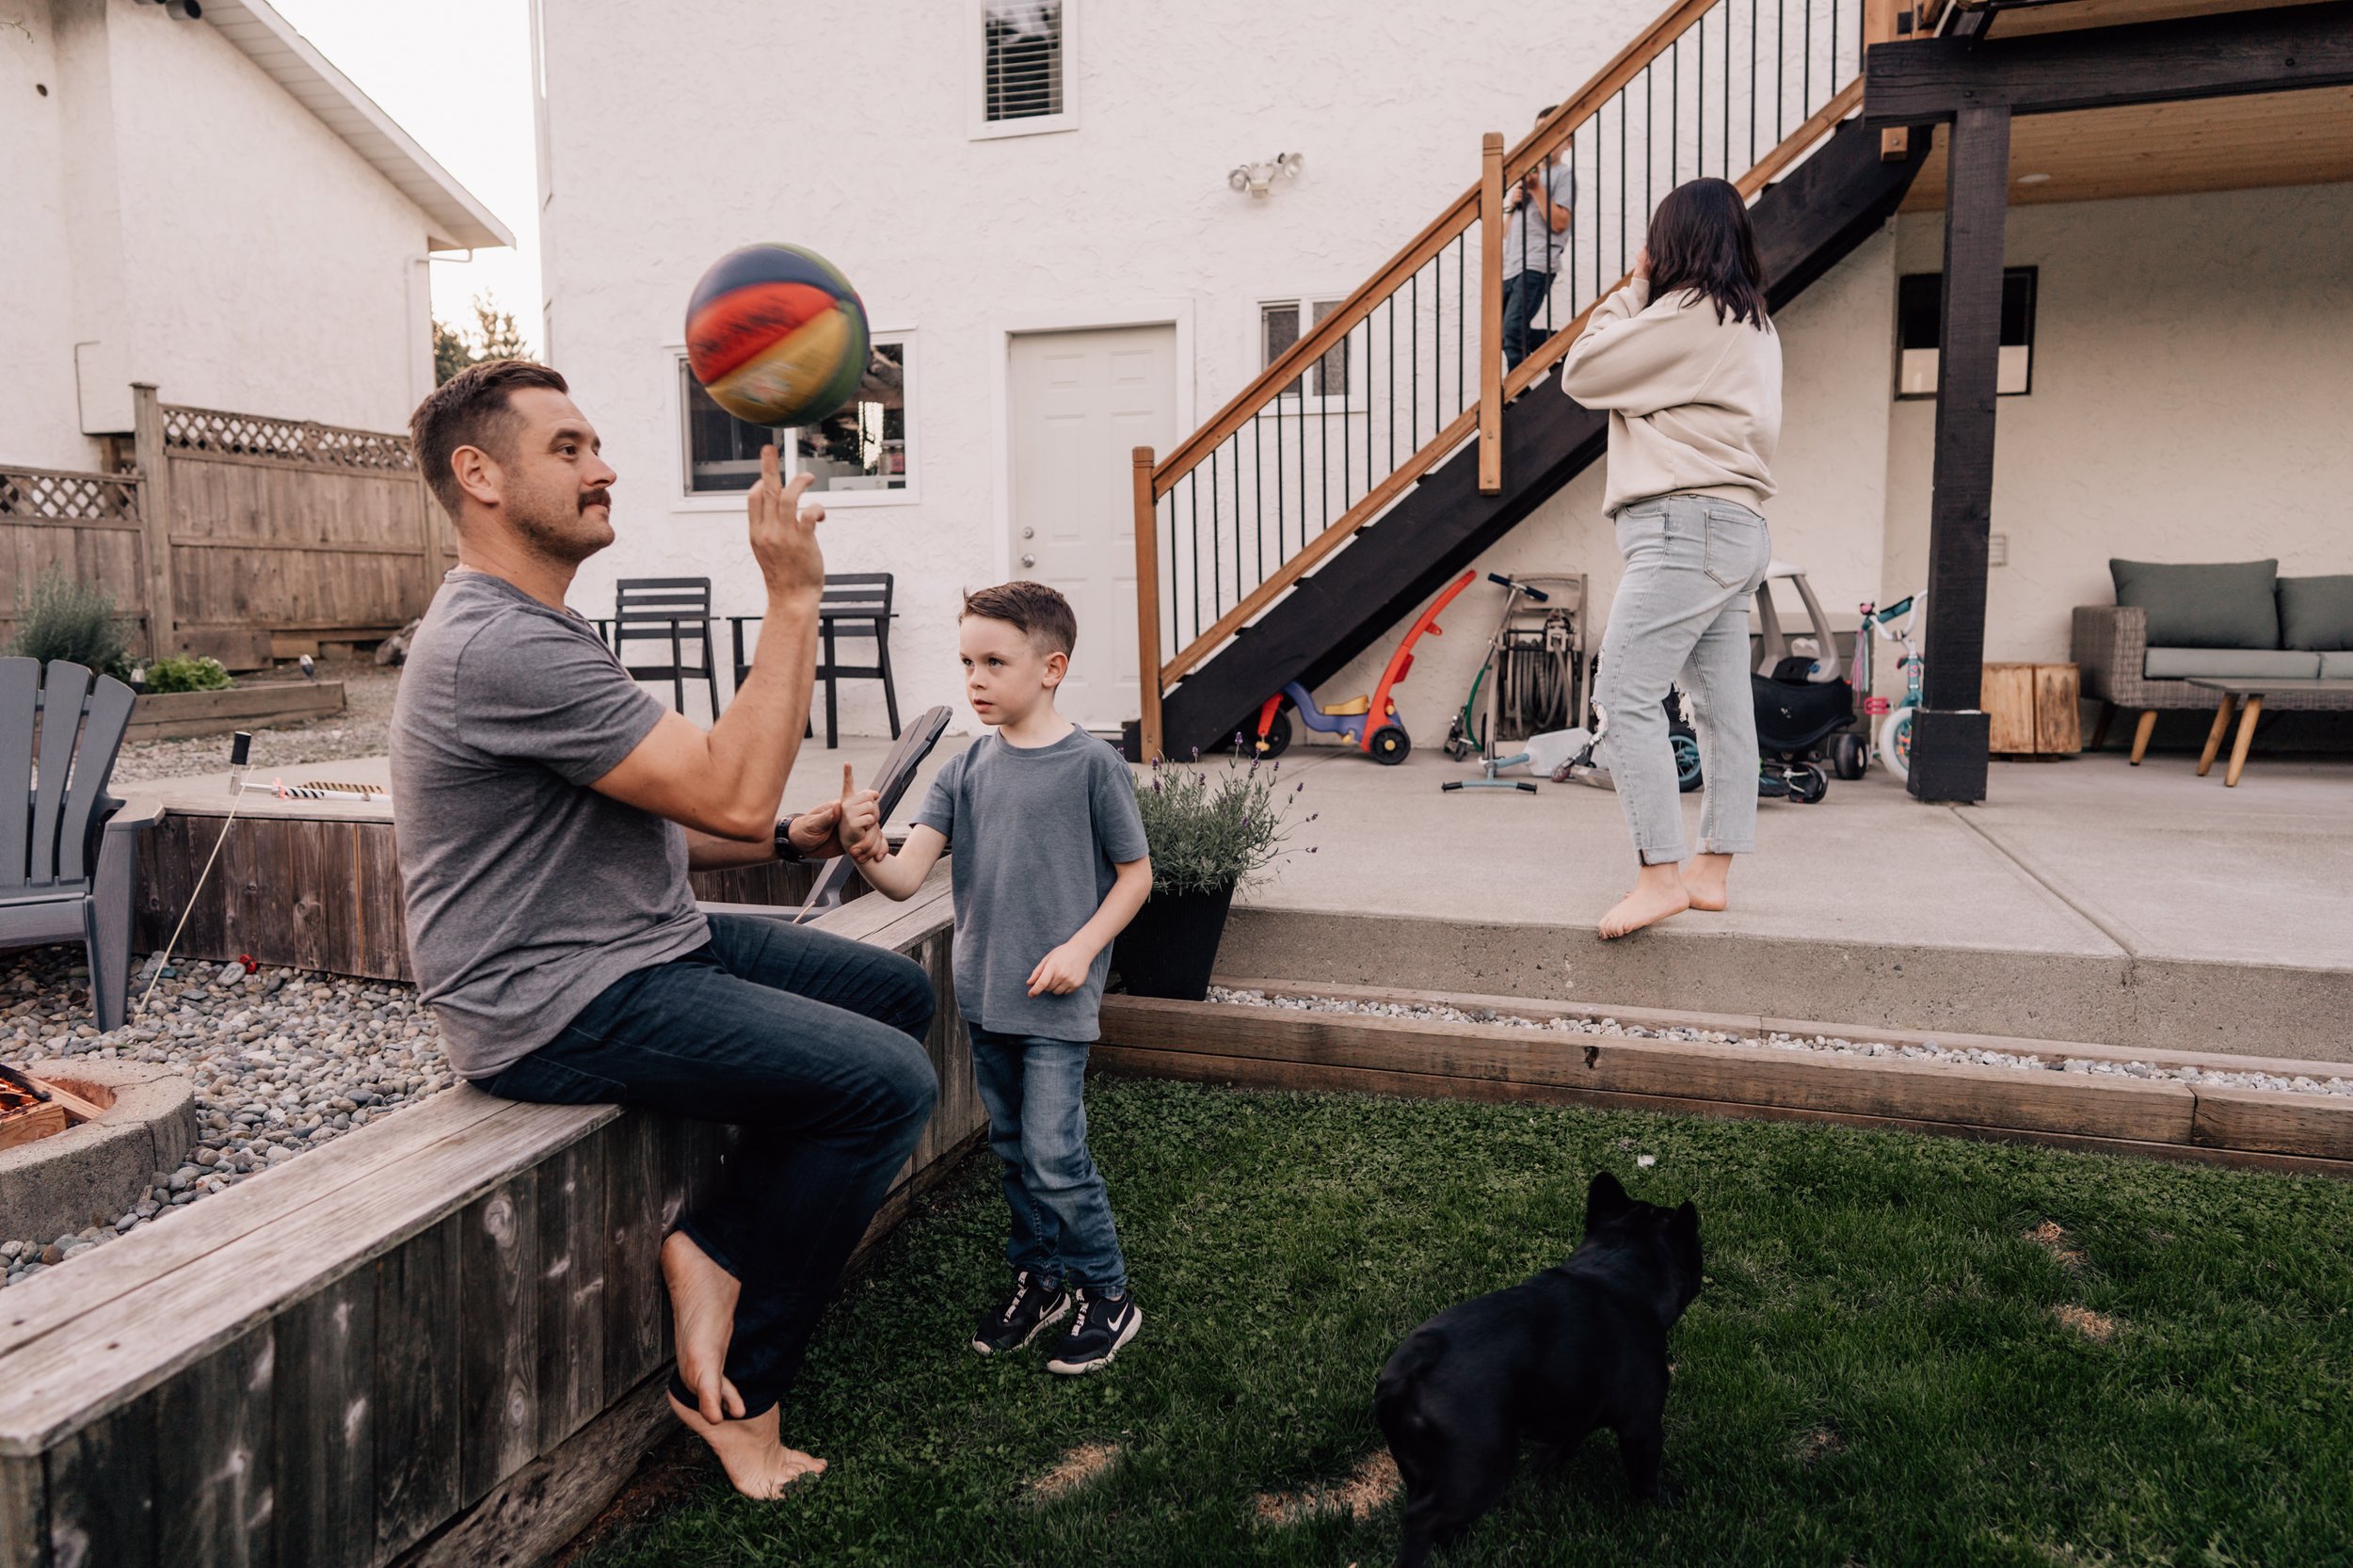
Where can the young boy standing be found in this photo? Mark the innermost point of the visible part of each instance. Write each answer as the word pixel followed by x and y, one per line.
pixel 1050 863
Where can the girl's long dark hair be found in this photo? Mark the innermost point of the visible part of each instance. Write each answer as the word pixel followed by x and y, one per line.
pixel 1700 241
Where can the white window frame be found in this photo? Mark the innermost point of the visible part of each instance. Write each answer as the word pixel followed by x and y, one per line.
pixel 1347 402
pixel 975 55
pixel 687 499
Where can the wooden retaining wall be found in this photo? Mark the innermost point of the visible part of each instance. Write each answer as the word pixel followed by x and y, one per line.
pixel 324 892
pixel 1283 1049
pixel 438 1340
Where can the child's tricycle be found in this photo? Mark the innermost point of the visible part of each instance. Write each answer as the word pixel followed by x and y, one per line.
pixel 1383 739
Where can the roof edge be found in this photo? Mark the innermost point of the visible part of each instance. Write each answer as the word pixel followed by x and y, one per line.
pixel 456 218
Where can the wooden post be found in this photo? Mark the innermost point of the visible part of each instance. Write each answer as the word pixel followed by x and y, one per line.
pixel 1147 609
pixel 147 445
pixel 1878 26
pixel 1950 736
pixel 1492 227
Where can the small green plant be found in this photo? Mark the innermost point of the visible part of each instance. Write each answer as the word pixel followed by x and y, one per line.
pixel 64 617
pixel 188 673
pixel 1210 830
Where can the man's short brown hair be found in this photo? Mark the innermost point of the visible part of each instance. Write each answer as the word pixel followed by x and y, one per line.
pixel 472 408
pixel 1035 610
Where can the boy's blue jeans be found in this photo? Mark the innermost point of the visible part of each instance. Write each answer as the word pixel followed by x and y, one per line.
pixel 1035 1090
pixel 808 1040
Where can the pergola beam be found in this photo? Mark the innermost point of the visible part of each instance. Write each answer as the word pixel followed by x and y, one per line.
pixel 1920 81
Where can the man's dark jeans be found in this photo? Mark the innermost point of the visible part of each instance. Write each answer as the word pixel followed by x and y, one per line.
pixel 811 1044
pixel 1524 297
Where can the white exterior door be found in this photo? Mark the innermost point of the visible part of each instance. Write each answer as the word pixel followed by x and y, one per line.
pixel 1081 403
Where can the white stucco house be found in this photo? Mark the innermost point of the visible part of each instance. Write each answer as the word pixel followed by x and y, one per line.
pixel 198 200
pixel 1034 201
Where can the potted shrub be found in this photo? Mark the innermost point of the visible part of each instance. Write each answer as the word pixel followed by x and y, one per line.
pixel 1209 831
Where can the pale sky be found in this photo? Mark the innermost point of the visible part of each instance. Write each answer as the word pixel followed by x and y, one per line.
pixel 457 75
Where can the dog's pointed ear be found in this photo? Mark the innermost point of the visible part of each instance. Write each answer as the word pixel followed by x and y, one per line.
pixel 1605 1200
pixel 1687 1220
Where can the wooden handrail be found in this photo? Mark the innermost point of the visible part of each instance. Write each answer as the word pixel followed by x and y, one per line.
pixel 1459 215
pixel 1147 608
pixel 1623 67
pixel 1820 124
pixel 1842 103
pixel 1491 223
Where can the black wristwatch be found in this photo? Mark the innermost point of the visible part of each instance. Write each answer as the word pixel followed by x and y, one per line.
pixel 787 851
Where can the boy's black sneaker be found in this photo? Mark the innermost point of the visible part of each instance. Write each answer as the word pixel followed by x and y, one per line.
pixel 1033 1307
pixel 1099 1332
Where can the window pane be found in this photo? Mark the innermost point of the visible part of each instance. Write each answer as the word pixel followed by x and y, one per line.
pixel 1332 369
pixel 864 447
pixel 722 452
pixel 1278 328
pixel 1022 41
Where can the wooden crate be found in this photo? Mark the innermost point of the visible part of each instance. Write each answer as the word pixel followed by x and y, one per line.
pixel 2032 709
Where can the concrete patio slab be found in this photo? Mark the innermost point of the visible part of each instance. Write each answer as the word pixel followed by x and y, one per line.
pixel 2089 901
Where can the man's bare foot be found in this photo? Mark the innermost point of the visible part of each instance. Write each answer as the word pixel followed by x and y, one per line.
pixel 1658 894
pixel 702 1305
pixel 1708 878
pixel 755 1458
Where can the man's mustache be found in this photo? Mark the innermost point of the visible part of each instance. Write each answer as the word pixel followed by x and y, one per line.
pixel 596 498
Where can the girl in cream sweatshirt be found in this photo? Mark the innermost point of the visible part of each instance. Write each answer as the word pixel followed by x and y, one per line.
pixel 1686 360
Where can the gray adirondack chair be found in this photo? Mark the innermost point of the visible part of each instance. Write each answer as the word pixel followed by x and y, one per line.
pixel 66 857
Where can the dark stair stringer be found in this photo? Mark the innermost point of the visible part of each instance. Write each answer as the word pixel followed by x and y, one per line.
pixel 1805 223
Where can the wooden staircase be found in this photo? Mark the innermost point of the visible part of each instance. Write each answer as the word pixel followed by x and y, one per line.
pixel 1388 446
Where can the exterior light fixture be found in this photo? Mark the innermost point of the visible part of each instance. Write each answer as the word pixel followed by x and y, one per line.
pixel 1257 179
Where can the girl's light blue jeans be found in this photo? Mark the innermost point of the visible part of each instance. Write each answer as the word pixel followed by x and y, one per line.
pixel 1693 563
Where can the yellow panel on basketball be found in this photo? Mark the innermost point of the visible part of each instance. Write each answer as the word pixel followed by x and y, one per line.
pixel 775 384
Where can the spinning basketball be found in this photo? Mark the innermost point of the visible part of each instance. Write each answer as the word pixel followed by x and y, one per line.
pixel 777 335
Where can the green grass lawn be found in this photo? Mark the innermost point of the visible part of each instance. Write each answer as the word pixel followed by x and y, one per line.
pixel 1878 1371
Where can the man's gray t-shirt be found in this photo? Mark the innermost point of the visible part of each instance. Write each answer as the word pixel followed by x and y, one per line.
pixel 1531 244
pixel 1034 832
pixel 527 891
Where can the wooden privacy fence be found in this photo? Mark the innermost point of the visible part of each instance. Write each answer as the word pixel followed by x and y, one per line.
pixel 239 535
pixel 439 1340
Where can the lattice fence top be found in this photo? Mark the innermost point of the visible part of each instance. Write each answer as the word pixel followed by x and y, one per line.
pixel 76 497
pixel 292 441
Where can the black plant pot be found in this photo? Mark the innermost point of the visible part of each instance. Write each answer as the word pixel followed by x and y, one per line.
pixel 1170 947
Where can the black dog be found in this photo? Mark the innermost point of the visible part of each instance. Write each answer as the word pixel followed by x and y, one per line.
pixel 1580 1346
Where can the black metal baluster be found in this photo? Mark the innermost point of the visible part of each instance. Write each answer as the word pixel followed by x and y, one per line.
pixel 1391 304
pixel 1258 492
pixel 1413 361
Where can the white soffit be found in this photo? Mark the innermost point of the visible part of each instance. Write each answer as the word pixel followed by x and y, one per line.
pixel 458 220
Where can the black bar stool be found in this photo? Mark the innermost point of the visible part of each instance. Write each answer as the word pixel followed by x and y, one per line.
pixel 855 607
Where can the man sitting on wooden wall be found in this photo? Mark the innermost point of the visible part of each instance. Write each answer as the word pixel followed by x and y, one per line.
pixel 550 809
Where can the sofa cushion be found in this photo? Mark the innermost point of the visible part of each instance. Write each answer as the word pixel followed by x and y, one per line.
pixel 2227 664
pixel 2316 613
pixel 2215 604
pixel 2337 667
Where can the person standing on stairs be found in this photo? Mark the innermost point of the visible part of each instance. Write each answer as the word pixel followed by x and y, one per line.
pixel 1539 231
pixel 1685 359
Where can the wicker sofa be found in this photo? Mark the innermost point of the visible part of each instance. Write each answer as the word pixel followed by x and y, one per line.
pixel 2121 670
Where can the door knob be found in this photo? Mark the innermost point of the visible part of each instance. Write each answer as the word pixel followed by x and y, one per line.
pixel 1029 560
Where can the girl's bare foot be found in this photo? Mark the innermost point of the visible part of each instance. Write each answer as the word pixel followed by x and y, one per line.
pixel 1658 894
pixel 1708 878
pixel 755 1458
pixel 702 1305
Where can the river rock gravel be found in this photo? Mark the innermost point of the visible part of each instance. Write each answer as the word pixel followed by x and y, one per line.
pixel 359 730
pixel 282 1061
pixel 1832 1045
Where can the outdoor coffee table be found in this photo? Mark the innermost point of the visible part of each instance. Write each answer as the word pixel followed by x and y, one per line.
pixel 2252 689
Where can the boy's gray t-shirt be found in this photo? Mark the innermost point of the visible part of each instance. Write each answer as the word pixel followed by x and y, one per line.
pixel 527 891
pixel 1033 833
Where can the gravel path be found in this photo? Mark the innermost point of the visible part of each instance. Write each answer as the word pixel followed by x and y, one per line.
pixel 282 1061
pixel 1827 1044
pixel 357 731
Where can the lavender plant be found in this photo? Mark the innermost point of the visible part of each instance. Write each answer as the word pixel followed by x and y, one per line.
pixel 1210 829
